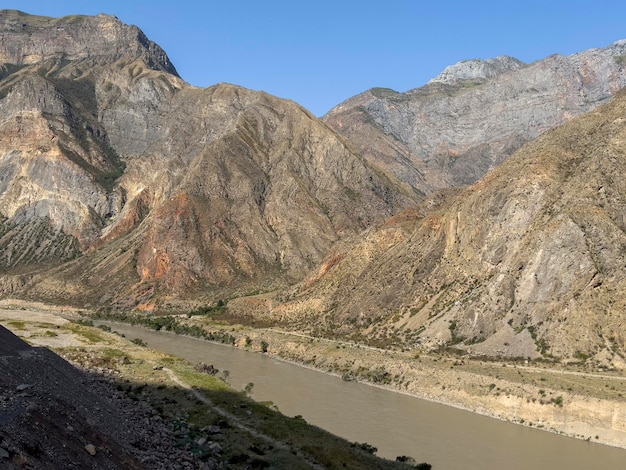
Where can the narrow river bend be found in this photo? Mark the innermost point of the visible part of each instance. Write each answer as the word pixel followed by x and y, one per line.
pixel 397 424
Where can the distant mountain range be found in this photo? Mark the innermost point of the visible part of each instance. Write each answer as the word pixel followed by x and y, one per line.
pixel 476 113
pixel 122 186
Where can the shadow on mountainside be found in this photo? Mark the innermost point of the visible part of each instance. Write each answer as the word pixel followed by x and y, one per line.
pixel 168 416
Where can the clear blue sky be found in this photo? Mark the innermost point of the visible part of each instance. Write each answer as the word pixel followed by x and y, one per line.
pixel 320 53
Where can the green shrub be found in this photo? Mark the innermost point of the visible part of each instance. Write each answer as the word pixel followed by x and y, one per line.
pixel 139 342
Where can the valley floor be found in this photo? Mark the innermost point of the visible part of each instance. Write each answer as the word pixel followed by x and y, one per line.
pixel 567 399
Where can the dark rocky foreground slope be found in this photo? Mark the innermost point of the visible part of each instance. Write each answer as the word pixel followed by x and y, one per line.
pixel 54 416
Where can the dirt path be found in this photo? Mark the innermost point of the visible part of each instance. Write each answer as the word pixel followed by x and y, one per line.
pixel 234 421
pixel 567 372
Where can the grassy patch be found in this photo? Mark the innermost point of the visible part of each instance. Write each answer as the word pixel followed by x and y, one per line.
pixel 92 335
pixel 188 374
pixel 45 325
pixel 16 324
pixel 112 354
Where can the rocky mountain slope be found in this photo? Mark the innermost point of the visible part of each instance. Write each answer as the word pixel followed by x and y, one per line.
pixel 476 113
pixel 527 262
pixel 146 187
pixel 51 416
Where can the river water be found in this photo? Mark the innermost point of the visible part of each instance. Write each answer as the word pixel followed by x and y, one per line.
pixel 397 424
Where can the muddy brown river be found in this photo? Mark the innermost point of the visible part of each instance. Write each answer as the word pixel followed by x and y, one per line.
pixel 397 424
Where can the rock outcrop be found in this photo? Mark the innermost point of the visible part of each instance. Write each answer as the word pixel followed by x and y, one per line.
pixel 475 114
pixel 477 69
pixel 102 39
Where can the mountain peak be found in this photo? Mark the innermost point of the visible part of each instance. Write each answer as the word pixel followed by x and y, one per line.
pixel 30 39
pixel 477 69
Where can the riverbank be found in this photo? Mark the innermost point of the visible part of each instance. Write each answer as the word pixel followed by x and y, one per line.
pixel 193 418
pixel 565 399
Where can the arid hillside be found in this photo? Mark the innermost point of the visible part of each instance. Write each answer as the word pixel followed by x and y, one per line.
pixel 528 262
pixel 135 187
pixel 476 113
pixel 124 188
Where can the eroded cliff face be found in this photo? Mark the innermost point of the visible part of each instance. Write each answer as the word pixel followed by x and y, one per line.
pixel 475 114
pixel 49 164
pixel 102 39
pixel 527 262
pixel 166 189
pixel 58 162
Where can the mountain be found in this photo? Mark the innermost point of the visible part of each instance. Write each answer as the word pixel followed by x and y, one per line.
pixel 122 184
pixel 476 113
pixel 527 262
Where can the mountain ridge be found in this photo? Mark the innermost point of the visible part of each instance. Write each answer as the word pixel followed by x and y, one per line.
pixel 527 262
pixel 453 130
pixel 32 39
pixel 208 188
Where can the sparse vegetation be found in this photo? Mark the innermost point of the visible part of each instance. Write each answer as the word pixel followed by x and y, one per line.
pixel 206 411
pixel 455 339
pixel 366 447
pixel 247 390
pixel 558 401
pixel 219 307
pixel 168 323
pixel 139 342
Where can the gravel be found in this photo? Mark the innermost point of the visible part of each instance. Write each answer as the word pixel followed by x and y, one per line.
pixel 53 416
